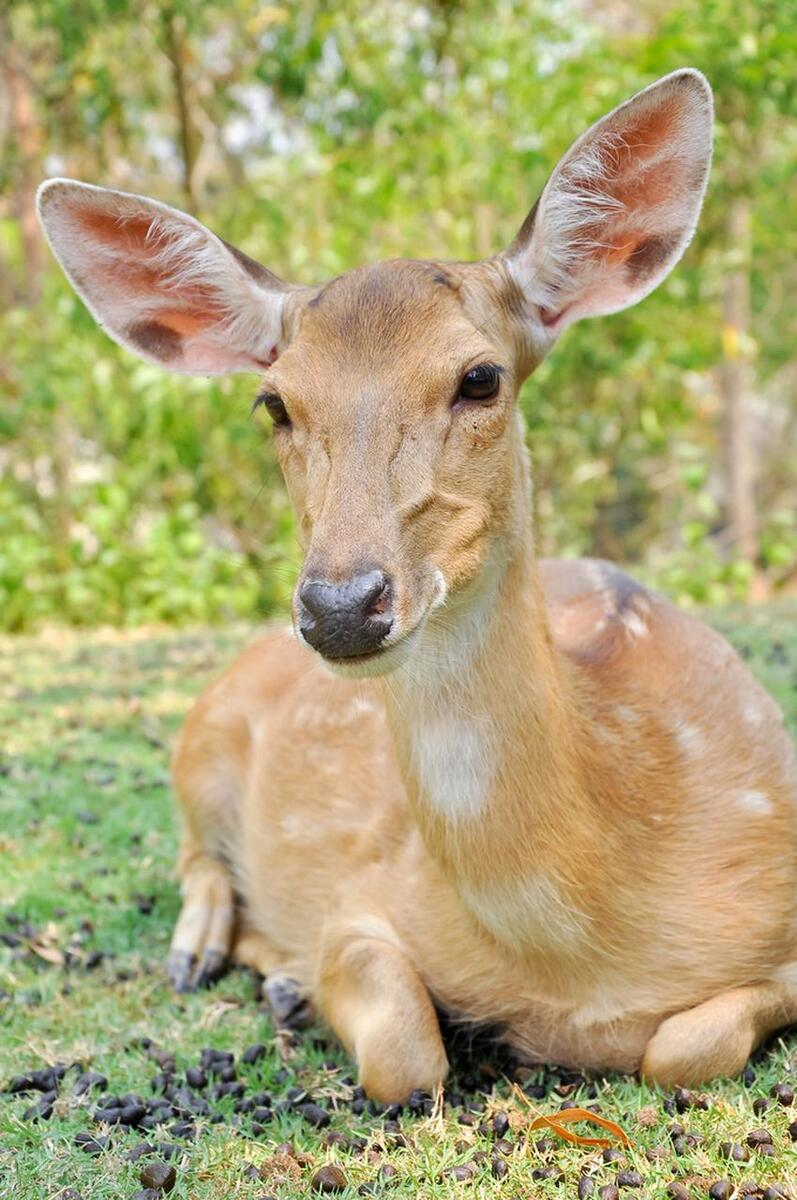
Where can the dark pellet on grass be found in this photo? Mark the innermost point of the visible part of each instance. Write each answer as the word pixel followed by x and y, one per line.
pixel 783 1093
pixel 586 1187
pixel 500 1124
pixel 677 1191
pixel 89 1080
pixel 734 1152
pixel 775 1191
pixel 132 1114
pixel 317 1116
pixel 253 1054
pixel 608 1192
pixel 160 1176
pixel 759 1137
pixel 184 1130
pixel 610 1156
pixel 196 1078
pixel 38 1112
pixel 142 1150
pixel 145 1194
pixel 629 1179
pixel 91 1145
pixel 499 1168
pixel 548 1173
pixel 760 1105
pixel 329 1179
pixel 720 1190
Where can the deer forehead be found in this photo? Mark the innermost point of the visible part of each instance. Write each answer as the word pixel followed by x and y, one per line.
pixel 392 327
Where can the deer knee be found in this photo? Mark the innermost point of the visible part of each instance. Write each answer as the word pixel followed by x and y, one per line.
pixel 689 1048
pixel 379 1006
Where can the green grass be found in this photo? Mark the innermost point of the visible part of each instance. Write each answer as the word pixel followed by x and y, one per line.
pixel 87 830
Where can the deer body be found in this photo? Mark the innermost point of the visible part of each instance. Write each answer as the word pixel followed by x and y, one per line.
pixel 531 792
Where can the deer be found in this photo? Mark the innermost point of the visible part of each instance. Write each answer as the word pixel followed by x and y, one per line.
pixel 531 794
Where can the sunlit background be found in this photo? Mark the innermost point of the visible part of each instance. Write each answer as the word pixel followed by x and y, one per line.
pixel 317 136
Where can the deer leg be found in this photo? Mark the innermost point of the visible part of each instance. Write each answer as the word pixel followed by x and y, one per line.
pixel 203 934
pixel 717 1036
pixel 289 1003
pixel 376 1002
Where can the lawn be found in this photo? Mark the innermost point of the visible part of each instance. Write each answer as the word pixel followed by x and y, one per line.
pixel 87 904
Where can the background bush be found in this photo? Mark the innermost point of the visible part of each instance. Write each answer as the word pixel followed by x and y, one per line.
pixel 316 136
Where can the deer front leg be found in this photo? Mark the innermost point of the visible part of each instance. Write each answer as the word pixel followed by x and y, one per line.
pixel 203 935
pixel 717 1036
pixel 372 996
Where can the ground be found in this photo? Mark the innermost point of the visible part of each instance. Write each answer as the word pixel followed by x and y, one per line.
pixel 87 904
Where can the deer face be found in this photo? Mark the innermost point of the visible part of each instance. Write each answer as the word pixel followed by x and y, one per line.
pixel 395 424
pixel 392 388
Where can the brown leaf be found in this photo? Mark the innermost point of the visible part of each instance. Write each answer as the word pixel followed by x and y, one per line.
pixel 50 954
pixel 558 1121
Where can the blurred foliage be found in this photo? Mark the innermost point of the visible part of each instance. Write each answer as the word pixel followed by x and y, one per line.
pixel 316 136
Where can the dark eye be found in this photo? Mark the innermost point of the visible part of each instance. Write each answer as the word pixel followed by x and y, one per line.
pixel 480 384
pixel 275 408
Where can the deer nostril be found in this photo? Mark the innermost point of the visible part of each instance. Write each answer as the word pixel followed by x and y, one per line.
pixel 342 620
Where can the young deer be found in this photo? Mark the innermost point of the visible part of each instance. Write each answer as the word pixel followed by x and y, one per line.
pixel 532 793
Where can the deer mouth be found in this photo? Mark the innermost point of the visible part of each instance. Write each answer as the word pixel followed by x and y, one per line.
pixel 383 661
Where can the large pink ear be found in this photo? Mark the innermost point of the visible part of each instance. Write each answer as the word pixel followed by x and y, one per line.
pixel 621 206
pixel 162 284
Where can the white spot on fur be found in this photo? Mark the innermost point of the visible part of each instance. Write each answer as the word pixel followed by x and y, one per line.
pixel 440 589
pixel 626 714
pixel 753 801
pixel 454 764
pixel 754 714
pixel 687 736
pixel 635 624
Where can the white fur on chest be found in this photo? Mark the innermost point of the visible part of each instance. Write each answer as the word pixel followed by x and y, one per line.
pixel 453 761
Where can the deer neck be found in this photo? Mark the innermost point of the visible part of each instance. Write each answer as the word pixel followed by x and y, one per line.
pixel 492 744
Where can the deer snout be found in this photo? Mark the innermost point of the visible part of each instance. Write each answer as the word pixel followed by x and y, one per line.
pixel 348 619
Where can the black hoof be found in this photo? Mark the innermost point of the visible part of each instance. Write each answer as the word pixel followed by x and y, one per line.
pixel 289 1008
pixel 180 969
pixel 210 968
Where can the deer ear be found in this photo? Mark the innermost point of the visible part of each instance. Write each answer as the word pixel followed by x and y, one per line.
pixel 621 206
pixel 162 284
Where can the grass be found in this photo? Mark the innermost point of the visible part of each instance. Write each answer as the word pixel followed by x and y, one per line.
pixel 87 844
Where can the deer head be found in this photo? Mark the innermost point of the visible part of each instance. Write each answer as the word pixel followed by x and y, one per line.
pixel 392 388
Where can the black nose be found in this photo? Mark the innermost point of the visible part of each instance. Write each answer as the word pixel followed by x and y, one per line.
pixel 344 620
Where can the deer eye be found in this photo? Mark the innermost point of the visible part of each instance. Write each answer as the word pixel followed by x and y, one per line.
pixel 480 384
pixel 275 406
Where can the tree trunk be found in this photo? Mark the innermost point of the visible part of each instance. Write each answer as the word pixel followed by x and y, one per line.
pixel 736 378
pixel 175 52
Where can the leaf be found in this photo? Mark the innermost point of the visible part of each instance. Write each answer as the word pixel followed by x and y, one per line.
pixel 558 1121
pixel 50 954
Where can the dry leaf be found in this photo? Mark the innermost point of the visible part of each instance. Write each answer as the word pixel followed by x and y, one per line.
pixel 558 1121
pixel 50 954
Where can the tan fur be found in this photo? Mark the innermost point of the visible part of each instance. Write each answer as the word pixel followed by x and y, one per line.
pixel 551 802
pixel 617 871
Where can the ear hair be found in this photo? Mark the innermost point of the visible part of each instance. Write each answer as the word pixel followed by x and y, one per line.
pixel 621 206
pixel 160 283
